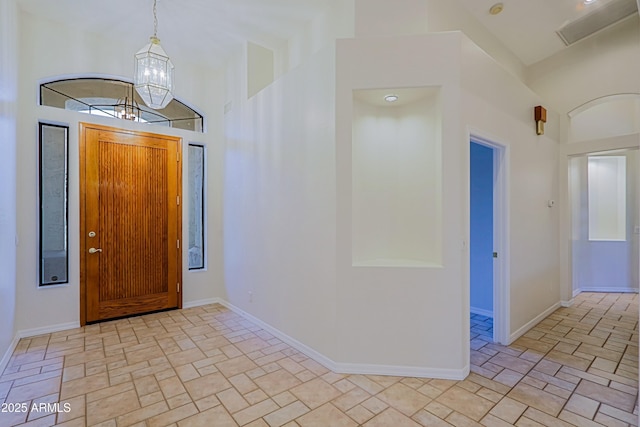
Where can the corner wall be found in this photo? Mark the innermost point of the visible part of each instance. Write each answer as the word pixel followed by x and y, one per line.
pixel 498 107
pixel 279 200
pixel 8 136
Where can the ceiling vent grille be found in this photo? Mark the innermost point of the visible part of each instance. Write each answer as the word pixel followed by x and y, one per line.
pixel 599 19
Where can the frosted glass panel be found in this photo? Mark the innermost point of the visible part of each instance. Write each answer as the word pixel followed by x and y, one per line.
pixel 53 205
pixel 607 197
pixel 196 207
pixel 397 178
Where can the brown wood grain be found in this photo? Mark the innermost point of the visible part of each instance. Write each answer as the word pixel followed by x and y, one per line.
pixel 130 183
pixel 129 306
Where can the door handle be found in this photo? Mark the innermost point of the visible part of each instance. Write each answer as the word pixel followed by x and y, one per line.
pixel 94 250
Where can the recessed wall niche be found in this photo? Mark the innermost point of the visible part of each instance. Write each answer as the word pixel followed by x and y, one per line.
pixel 397 178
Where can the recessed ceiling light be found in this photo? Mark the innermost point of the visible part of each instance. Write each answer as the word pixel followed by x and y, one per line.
pixel 496 8
pixel 391 98
pixel 587 2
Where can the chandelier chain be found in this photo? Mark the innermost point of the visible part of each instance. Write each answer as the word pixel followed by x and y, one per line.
pixel 155 19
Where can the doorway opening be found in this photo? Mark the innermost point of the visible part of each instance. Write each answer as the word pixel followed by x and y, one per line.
pixel 488 252
pixel 604 194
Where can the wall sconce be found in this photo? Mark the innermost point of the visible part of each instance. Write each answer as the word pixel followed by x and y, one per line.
pixel 540 114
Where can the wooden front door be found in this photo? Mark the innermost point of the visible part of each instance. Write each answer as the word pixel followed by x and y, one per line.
pixel 130 223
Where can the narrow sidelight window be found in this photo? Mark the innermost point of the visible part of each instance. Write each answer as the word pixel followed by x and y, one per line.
pixel 53 186
pixel 196 206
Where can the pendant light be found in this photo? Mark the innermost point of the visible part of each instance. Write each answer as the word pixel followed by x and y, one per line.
pixel 153 76
pixel 127 108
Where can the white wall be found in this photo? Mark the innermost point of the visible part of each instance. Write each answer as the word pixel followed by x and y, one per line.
pixel 288 214
pixel 606 117
pixel 605 64
pixel 260 67
pixel 396 179
pixel 48 50
pixel 499 108
pixel 279 206
pixel 381 18
pixel 387 316
pixel 8 136
pixel 337 22
pixel 449 15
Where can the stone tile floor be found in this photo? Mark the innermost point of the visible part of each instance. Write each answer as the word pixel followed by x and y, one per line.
pixel 208 366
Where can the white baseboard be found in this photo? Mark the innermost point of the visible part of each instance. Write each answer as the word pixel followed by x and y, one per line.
pixel 481 311
pixel 567 303
pixel 303 348
pixel 28 333
pixel 7 355
pixel 617 290
pixel 533 322
pixel 401 371
pixel 200 302
pixel 351 368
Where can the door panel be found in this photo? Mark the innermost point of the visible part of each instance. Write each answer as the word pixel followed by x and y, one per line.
pixel 130 188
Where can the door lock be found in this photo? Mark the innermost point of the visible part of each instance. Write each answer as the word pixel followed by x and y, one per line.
pixel 94 250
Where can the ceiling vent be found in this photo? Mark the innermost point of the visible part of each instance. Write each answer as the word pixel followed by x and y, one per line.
pixel 601 18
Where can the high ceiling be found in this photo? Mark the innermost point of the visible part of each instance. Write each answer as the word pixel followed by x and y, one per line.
pixel 213 29
pixel 528 27
pixel 209 29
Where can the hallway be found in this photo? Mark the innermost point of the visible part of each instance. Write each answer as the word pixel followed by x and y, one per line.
pixel 185 368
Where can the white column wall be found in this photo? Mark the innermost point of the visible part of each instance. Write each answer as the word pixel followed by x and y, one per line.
pixel 403 320
pixel 8 138
pixel 49 50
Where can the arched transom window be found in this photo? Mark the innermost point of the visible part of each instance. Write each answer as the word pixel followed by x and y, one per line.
pixel 117 99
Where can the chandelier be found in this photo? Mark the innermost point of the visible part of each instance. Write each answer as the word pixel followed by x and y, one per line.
pixel 127 108
pixel 153 75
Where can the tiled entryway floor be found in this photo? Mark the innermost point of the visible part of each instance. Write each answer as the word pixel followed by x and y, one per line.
pixel 208 366
pixel 481 329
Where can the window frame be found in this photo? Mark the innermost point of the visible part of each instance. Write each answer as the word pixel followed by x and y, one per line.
pixel 103 94
pixel 203 221
pixel 41 125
